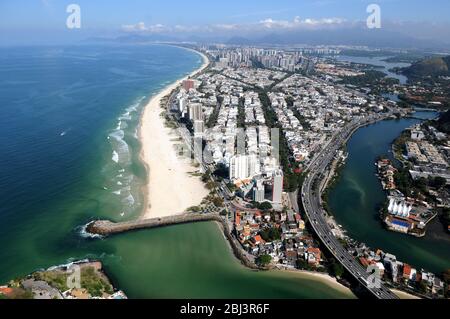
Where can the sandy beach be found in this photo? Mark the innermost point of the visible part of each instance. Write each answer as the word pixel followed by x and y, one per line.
pixel 322 277
pixel 404 295
pixel 170 189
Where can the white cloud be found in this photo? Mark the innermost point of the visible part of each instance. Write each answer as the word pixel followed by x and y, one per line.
pixel 266 24
pixel 141 27
pixel 299 23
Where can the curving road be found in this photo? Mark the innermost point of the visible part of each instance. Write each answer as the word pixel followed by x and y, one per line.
pixel 311 199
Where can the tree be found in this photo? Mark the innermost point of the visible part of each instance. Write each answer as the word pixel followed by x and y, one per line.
pixel 337 270
pixel 265 206
pixel 439 182
pixel 211 185
pixel 264 260
pixel 446 276
pixel 423 287
pixel 218 202
pixel 270 234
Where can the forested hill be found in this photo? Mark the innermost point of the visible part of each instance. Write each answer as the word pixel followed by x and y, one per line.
pixel 436 66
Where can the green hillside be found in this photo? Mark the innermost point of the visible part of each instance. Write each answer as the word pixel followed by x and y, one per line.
pixel 435 66
pixel 443 124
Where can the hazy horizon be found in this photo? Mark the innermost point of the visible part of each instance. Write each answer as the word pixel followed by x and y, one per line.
pixel 414 23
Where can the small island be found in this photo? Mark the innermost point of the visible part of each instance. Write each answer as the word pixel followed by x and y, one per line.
pixel 78 280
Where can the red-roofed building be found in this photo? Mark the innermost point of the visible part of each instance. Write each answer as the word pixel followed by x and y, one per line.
pixel 364 262
pixel 258 240
pixel 5 291
pixel 406 271
pixel 237 220
pixel 188 84
pixel 313 256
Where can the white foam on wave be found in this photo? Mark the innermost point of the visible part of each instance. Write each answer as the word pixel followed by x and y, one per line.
pixel 115 157
pixel 129 200
pixel 82 231
pixel 120 147
pixel 121 155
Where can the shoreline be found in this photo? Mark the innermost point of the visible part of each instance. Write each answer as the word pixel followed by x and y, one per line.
pixel 165 172
pixel 321 277
pixel 404 295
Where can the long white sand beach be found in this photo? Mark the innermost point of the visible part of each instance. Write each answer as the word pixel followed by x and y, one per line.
pixel 170 189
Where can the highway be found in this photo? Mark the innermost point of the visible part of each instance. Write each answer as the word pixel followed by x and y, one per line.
pixel 311 200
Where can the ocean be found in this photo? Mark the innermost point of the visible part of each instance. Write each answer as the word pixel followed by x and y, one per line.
pixel 69 154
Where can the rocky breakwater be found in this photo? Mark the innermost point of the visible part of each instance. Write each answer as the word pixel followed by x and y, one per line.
pixel 106 228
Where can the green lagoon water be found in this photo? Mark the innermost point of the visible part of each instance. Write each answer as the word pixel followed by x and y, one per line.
pixel 69 155
pixel 357 195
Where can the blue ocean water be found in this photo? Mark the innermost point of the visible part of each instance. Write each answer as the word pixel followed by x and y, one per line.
pixel 68 139
pixel 69 154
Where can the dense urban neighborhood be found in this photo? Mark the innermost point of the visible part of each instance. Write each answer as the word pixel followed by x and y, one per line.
pixel 268 130
pixel 264 117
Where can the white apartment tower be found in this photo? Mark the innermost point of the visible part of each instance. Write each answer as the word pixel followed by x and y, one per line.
pixel 277 190
pixel 244 167
pixel 259 192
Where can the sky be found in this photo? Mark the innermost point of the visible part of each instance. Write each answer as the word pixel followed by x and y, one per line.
pixel 34 20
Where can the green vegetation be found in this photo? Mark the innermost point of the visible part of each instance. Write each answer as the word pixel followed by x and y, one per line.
pixel 301 119
pixel 206 177
pixel 93 282
pixel 303 265
pixel 211 185
pixel 55 279
pixel 366 53
pixel 212 121
pixel 270 234
pixel 232 187
pixel 444 214
pixel 336 269
pixel 19 294
pixel 221 171
pixel 371 77
pixel 430 67
pixel 241 114
pixel 290 101
pixel 266 206
pixel 264 260
pixel 404 182
pixel 405 58
pixel 292 180
pixel 446 277
pixel 218 202
pixel 443 123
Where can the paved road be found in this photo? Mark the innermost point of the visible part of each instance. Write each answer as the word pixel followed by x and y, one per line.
pixel 311 199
